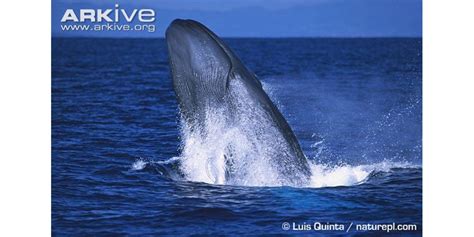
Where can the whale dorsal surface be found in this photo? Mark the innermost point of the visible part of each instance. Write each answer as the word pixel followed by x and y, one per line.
pixel 208 76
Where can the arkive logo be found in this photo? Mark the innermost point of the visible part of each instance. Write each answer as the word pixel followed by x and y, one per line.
pixel 111 19
pixel 108 15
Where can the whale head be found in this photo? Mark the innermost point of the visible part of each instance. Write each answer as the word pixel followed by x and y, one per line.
pixel 199 64
pixel 202 66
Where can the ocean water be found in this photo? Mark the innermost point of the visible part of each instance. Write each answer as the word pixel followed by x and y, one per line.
pixel 117 143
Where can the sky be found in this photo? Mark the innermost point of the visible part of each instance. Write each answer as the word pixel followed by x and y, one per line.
pixel 264 18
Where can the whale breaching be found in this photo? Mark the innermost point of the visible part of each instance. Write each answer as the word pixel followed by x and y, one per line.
pixel 232 132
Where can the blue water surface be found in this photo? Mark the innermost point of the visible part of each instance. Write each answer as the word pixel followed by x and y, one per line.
pixel 349 101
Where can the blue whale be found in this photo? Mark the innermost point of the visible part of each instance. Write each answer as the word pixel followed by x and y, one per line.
pixel 205 73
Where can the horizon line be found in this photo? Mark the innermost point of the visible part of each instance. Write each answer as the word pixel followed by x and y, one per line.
pixel 248 37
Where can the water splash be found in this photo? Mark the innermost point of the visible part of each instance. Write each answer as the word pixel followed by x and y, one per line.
pixel 222 153
pixel 239 144
pixel 243 147
pixel 139 164
pixel 322 175
pixel 349 175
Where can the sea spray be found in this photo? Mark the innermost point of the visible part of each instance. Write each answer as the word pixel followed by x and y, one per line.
pixel 237 144
pixel 242 147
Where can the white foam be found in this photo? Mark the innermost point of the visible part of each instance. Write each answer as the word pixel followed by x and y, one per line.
pixel 337 176
pixel 348 175
pixel 139 164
